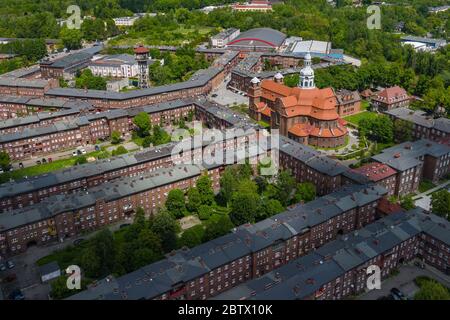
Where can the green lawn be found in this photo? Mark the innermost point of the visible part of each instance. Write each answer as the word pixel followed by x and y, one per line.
pixel 364 105
pixel 355 118
pixel 43 168
pixel 264 124
pixel 240 108
pixel 426 185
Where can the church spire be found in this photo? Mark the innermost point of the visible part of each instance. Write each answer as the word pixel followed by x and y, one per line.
pixel 306 80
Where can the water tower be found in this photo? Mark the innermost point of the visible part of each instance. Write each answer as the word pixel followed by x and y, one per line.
pixel 141 55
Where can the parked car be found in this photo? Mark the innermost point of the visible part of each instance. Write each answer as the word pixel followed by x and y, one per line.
pixel 38 162
pixel 16 295
pixel 97 148
pixel 124 225
pixel 83 150
pixel 1 171
pixel 2 267
pixel 78 241
pixel 419 264
pixel 44 160
pixel 50 159
pixel 214 95
pixel 397 294
pixel 74 153
pixel 20 165
pixel 10 264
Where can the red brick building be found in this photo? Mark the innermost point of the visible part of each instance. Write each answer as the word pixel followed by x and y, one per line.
pixel 390 98
pixel 381 174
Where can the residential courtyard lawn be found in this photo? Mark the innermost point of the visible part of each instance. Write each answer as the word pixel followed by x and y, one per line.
pixel 45 167
pixel 426 185
pixel 355 118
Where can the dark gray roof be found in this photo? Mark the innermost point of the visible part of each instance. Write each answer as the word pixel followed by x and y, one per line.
pixel 187 264
pixel 421 118
pixel 69 60
pixel 313 158
pixel 199 79
pixel 304 276
pixel 19 82
pixel 407 155
pixel 269 35
pixel 108 191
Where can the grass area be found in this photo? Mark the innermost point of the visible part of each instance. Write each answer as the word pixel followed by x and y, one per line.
pixel 176 37
pixel 355 118
pixel 264 124
pixel 44 168
pixel 426 185
pixel 240 108
pixel 365 105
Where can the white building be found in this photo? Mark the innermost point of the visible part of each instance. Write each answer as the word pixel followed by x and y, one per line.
pixel 221 39
pixel 125 21
pixel 116 66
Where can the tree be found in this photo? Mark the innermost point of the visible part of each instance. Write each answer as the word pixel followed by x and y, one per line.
pixel 205 212
pixel 143 124
pixel 217 229
pixel 407 202
pixel 432 290
pixel 90 262
pixel 228 184
pixel 440 203
pixel 194 199
pixel 286 185
pixel 160 136
pixel 403 130
pixel 192 237
pixel 271 207
pixel 80 160
pixel 103 248
pixel 5 160
pixel 165 226
pixel 71 38
pixel 204 187
pixel 244 207
pixel 59 288
pixel 119 151
pixel 306 192
pixel 175 203
pixel 87 80
pixel 116 137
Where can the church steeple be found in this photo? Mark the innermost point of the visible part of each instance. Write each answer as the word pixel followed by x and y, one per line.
pixel 307 74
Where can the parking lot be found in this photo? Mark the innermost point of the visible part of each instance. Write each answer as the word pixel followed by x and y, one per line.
pixel 404 281
pixel 227 97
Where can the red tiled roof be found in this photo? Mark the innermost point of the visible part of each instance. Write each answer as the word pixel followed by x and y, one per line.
pixel 141 49
pixel 391 95
pixel 375 171
pixel 386 207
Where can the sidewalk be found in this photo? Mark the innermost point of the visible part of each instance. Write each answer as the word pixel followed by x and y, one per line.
pixel 441 186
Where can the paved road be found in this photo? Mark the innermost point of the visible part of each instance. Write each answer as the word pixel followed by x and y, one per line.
pixel 227 97
pixel 405 282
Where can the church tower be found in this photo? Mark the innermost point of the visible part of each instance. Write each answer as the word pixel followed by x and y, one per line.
pixel 307 74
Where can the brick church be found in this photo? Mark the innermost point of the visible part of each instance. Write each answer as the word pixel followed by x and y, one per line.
pixel 305 113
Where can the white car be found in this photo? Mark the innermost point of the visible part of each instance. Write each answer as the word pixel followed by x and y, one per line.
pixel 83 150
pixel 74 154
